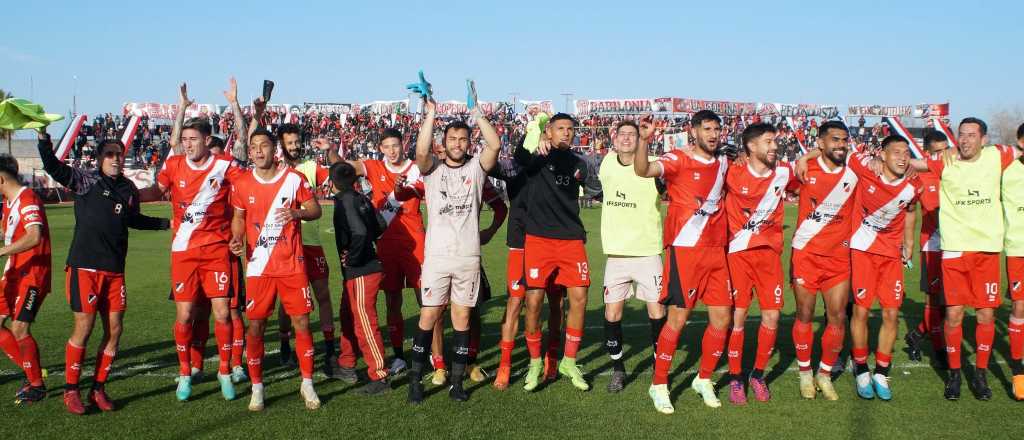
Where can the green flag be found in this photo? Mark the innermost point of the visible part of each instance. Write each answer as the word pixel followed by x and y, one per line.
pixel 20 114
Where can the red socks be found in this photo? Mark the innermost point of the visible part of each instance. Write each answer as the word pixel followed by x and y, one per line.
pixel 10 346
pixel 1016 330
pixel 859 355
pixel 304 351
pixel 437 362
pixel 667 342
pixel 984 334
pixel 711 350
pixel 736 351
pixel 765 347
pixel 254 353
pixel 103 362
pixel 831 345
pixel 72 363
pixel 803 337
pixel 533 344
pixel 237 341
pixel 935 316
pixel 182 344
pixel 954 336
pixel 200 334
pixel 222 332
pixel 30 360
pixel 573 337
pixel 506 353
pixel 883 360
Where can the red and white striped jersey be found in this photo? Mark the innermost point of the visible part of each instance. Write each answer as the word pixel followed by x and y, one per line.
pixel 32 265
pixel 823 215
pixel 930 239
pixel 879 209
pixel 753 206
pixel 405 223
pixel 695 190
pixel 273 249
pixel 199 200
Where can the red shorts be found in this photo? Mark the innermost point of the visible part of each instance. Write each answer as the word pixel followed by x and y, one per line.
pixel 204 272
pixel 91 290
pixel 696 273
pixel 876 276
pixel 264 291
pixel 515 275
pixel 237 284
pixel 817 273
pixel 971 279
pixel 564 261
pixel 22 298
pixel 316 263
pixel 1015 278
pixel 756 270
pixel 931 273
pixel 402 263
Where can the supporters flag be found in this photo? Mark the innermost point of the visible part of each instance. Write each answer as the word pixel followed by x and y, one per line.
pixel 896 127
pixel 942 127
pixel 129 131
pixel 70 135
pixel 793 125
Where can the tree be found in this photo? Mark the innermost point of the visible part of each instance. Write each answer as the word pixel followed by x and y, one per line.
pixel 6 133
pixel 1003 127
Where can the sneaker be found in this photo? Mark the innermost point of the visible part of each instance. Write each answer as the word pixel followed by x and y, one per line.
pixel 73 402
pixel 238 374
pixel 864 388
pixel 952 391
pixel 31 394
pixel 1018 386
pixel 477 373
pixel 824 383
pixel 376 387
pixel 184 389
pixel 706 389
pixel 439 377
pixel 881 385
pixel 807 390
pixel 761 391
pixel 532 378
pixel 415 392
pixel 550 368
pixel 913 340
pixel 502 378
pixel 737 394
pixel 569 368
pixel 618 382
pixel 457 393
pixel 99 398
pixel 981 388
pixel 227 387
pixel 256 400
pixel 397 367
pixel 662 402
pixel 347 375
pixel 309 394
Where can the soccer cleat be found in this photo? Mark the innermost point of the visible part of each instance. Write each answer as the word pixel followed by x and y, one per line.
pixel 662 402
pixel 881 385
pixel 309 395
pixel 457 393
pixel 238 374
pixel 761 391
pixel 376 387
pixel 31 394
pixel 415 392
pixel 439 377
pixel 99 398
pixel 24 386
pixel 569 368
pixel 737 395
pixel 184 389
pixel 618 382
pixel 501 379
pixel 227 387
pixel 913 340
pixel 706 390
pixel 347 375
pixel 864 388
pixel 532 378
pixel 953 386
pixel 73 402
pixel 256 400
pixel 824 384
pixel 1018 386
pixel 807 390
pixel 981 388
pixel 397 367
pixel 550 368
pixel 477 373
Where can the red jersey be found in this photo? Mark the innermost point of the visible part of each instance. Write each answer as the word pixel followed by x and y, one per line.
pixel 405 223
pixel 32 265
pixel 695 191
pixel 753 206
pixel 930 238
pixel 199 200
pixel 273 249
pixel 823 215
pixel 879 209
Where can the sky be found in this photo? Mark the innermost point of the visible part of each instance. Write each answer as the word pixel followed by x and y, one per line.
pixel 894 53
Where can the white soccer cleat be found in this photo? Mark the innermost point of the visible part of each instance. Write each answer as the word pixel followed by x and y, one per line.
pixel 706 389
pixel 662 402
pixel 824 383
pixel 807 389
pixel 256 401
pixel 309 395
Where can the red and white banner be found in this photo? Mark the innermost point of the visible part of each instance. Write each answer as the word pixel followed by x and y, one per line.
pixel 525 105
pixel 897 128
pixel 166 111
pixel 129 132
pixel 459 107
pixel 944 128
pixel 913 111
pixel 588 106
pixel 70 136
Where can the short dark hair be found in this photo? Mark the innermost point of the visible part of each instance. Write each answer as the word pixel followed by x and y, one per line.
pixel 973 120
pixel 391 133
pixel 892 139
pixel 704 115
pixel 563 116
pixel 933 136
pixel 98 152
pixel 202 125
pixel 754 131
pixel 9 166
pixel 1020 132
pixel 343 175
pixel 627 123
pixel 828 125
pixel 456 125
pixel 260 131
pixel 288 129
pixel 216 142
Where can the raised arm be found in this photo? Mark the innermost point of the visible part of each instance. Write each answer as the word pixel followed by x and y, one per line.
pixel 425 159
pixel 642 165
pixel 333 157
pixel 64 174
pixel 179 119
pixel 240 150
pixel 492 144
pixel 258 107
